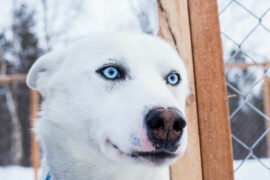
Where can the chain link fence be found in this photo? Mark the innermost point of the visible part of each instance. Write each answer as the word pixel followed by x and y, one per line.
pixel 245 31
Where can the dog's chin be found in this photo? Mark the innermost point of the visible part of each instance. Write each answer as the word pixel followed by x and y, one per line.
pixel 154 158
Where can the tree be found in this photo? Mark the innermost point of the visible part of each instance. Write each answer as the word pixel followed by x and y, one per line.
pixel 18 54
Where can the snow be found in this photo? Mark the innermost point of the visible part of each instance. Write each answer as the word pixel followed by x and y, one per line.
pixel 16 173
pixel 250 170
pixel 242 25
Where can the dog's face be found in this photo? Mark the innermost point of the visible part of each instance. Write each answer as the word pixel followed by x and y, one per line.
pixel 122 95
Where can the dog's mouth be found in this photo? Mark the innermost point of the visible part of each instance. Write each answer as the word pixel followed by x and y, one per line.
pixel 157 156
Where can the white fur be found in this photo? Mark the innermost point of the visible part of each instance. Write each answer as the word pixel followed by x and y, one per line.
pixel 81 110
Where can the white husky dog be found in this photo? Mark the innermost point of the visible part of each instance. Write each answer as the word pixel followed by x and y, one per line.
pixel 113 108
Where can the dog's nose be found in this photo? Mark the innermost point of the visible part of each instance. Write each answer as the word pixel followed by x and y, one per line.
pixel 165 127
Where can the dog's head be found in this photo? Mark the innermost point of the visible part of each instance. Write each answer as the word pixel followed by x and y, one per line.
pixel 122 95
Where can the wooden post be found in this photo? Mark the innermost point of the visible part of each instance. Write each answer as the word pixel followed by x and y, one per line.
pixel 211 91
pixel 267 110
pixel 174 27
pixel 34 100
pixel 245 66
pixel 192 26
pixel 12 78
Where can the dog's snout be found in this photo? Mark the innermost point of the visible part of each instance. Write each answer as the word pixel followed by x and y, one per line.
pixel 165 127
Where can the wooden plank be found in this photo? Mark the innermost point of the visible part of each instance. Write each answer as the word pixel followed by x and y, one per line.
pixel 245 66
pixel 212 101
pixel 267 110
pixel 12 78
pixel 174 27
pixel 34 100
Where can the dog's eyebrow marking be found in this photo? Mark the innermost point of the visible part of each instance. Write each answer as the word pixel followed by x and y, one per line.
pixel 134 140
pixel 117 60
pixel 113 59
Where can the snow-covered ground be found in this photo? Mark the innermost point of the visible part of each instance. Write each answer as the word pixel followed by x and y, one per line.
pixel 251 170
pixel 16 173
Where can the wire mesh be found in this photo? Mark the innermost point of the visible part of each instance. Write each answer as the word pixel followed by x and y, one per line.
pixel 245 32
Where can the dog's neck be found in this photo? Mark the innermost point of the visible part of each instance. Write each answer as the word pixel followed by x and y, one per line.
pixel 68 161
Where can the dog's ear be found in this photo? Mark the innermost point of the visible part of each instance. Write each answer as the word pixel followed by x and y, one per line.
pixel 42 70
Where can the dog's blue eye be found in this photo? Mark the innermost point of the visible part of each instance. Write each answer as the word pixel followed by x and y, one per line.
pixel 110 72
pixel 173 79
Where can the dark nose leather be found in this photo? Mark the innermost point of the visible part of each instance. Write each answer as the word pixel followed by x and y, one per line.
pixel 165 127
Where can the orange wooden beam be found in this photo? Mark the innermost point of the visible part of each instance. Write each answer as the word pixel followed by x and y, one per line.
pixel 34 100
pixel 267 109
pixel 12 78
pixel 211 91
pixel 245 66
pixel 174 27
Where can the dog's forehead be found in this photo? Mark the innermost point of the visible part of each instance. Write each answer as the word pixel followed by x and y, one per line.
pixel 132 49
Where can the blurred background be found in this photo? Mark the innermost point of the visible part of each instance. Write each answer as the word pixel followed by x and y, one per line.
pixel 245 32
pixel 31 28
